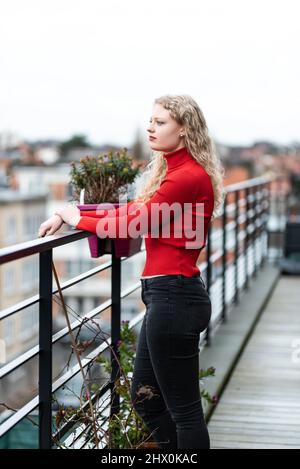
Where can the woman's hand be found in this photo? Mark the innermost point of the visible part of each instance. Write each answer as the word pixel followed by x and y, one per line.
pixel 50 226
pixel 70 214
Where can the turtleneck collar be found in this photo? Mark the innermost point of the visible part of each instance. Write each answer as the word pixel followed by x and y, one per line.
pixel 177 157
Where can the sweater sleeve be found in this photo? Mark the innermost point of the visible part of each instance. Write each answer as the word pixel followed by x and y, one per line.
pixel 177 188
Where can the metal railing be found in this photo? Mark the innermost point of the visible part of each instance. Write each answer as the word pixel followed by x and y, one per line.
pixel 236 248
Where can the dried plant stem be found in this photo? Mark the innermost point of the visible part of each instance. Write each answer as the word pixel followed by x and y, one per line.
pixel 77 354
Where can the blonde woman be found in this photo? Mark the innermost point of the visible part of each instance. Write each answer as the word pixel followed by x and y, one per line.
pixel 182 194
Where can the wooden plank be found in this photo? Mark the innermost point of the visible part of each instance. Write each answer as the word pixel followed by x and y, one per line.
pixel 215 444
pixel 260 407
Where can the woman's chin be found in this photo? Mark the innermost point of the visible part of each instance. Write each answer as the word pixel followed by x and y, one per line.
pixel 154 146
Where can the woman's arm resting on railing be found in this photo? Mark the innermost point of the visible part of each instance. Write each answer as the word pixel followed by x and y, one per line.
pixel 71 214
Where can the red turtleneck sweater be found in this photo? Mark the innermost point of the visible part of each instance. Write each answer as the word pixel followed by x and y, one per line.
pixel 185 182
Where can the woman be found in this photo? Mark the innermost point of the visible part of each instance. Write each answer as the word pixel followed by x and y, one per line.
pixel 184 172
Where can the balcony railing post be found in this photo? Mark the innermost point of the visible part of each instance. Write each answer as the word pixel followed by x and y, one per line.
pixel 260 230
pixel 45 355
pixel 115 327
pixel 283 211
pixel 208 277
pixel 236 253
pixel 247 239
pixel 264 222
pixel 254 239
pixel 224 258
pixel 268 215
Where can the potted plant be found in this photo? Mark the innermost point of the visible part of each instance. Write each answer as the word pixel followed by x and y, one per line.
pixel 125 429
pixel 98 183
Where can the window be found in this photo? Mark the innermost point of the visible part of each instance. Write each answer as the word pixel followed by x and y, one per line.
pixel 31 224
pixel 78 266
pixel 11 230
pixel 30 274
pixel 9 328
pixel 29 322
pixel 9 280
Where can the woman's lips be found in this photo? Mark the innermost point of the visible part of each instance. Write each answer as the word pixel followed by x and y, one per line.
pixel 152 138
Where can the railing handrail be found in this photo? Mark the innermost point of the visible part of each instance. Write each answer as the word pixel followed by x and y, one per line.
pixel 36 246
pixel 28 248
pixel 249 183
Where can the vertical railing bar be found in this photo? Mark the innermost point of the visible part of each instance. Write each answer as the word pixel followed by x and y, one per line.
pixel 236 250
pixel 224 260
pixel 264 217
pixel 247 238
pixel 268 215
pixel 278 217
pixel 254 231
pixel 260 231
pixel 115 328
pixel 256 227
pixel 284 208
pixel 45 353
pixel 208 278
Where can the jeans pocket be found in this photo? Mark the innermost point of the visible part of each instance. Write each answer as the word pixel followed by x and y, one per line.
pixel 159 296
pixel 203 299
pixel 199 313
pixel 159 293
pixel 159 299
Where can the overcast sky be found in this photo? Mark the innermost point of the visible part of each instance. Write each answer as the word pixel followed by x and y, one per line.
pixel 95 66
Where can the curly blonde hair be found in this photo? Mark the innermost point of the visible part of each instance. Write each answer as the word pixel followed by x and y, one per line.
pixel 198 142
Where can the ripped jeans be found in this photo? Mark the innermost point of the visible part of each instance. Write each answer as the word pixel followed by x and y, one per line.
pixel 178 308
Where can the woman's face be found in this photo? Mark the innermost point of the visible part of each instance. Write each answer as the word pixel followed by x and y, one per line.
pixel 165 130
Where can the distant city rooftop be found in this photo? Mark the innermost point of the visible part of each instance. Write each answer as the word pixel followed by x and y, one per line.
pixel 11 196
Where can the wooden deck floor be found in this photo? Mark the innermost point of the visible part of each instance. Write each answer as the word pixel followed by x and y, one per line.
pixel 260 407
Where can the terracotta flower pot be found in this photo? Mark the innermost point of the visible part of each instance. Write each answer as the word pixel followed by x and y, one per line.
pixel 99 247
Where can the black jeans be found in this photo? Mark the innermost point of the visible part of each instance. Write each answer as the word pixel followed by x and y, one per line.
pixel 165 386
